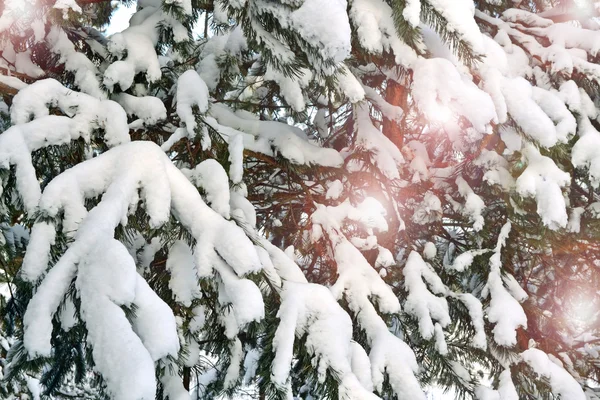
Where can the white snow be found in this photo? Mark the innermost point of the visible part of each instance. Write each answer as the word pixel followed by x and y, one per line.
pixel 358 283
pixel 105 272
pixel 191 91
pixel 261 136
pixel 584 154
pixel 412 12
pixel 86 73
pixel 562 383
pixel 387 156
pixel 325 26
pixel 149 108
pixel 429 251
pixel 119 354
pixel 309 309
pixel 543 180
pixel 184 279
pixel 421 302
pixel 236 158
pixel 504 310
pixel 438 86
pixel 334 189
pixel 459 18
pixel 26 136
pixel 474 205
pixel 377 32
pixel 212 178
pixel 475 309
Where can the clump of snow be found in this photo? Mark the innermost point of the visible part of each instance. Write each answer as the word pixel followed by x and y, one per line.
pixel 506 387
pixel 34 387
pixel 148 252
pixel 475 309
pixel 149 108
pixel 262 136
pixel 459 17
pixel 236 158
pixel 412 12
pixel 334 190
pixel 184 279
pixel 212 178
pixel 119 354
pixel 172 385
pixel 361 366
pixel 235 358
pixel 84 114
pixel 421 303
pixel 37 258
pixel 562 383
pixel 24 65
pixel 416 152
pixel 310 310
pixel 349 85
pixel 138 42
pixel 574 224
pixel 86 73
pixel 221 45
pixel 191 91
pixel 428 210
pixel 543 180
pixel 474 205
pixel 123 176
pixel 440 342
pixel 387 156
pixel 377 32
pixel 495 166
pixel 504 310
pixel 384 258
pixel 527 113
pixel 325 26
pixel 438 87
pixel 583 154
pixel 291 87
pixel 241 294
pixel 66 5
pixel 359 283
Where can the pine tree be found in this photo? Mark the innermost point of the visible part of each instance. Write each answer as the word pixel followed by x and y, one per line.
pixel 345 199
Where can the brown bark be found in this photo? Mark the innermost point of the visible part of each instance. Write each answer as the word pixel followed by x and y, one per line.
pixel 396 95
pixel 262 395
pixel 6 90
pixel 186 378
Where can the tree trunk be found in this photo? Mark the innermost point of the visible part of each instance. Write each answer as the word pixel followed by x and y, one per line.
pixel 396 95
pixel 186 378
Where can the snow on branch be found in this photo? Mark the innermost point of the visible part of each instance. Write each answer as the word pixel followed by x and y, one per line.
pixel 119 174
pixel 83 114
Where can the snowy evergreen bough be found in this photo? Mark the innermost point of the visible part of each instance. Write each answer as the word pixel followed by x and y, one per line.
pixel 275 199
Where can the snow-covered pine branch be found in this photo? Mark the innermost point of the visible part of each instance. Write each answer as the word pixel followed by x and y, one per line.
pixel 345 199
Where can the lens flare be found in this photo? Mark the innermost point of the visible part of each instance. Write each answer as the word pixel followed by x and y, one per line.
pixel 439 113
pixel 17 13
pixel 581 309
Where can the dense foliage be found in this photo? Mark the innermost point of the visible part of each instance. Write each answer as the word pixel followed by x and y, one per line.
pixel 352 199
